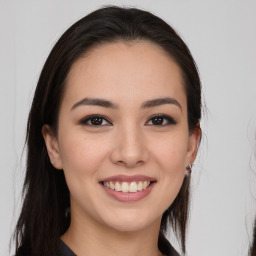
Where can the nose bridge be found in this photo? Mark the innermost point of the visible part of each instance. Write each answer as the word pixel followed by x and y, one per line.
pixel 130 149
pixel 132 139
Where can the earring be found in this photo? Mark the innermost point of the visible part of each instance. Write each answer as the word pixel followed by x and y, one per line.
pixel 188 170
pixel 54 164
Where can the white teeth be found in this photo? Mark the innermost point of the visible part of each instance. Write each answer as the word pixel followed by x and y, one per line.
pixel 139 187
pixel 144 185
pixel 117 186
pixel 133 187
pixel 125 187
pixel 106 184
pixel 112 185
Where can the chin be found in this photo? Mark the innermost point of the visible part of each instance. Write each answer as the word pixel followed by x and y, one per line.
pixel 132 222
pixel 128 227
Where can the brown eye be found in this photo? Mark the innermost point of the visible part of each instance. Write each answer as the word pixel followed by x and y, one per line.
pixel 161 120
pixel 157 120
pixel 95 120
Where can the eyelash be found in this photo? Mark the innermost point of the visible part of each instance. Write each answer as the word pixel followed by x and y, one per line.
pixel 167 120
pixel 89 118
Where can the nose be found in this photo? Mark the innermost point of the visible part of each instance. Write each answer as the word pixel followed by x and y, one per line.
pixel 129 148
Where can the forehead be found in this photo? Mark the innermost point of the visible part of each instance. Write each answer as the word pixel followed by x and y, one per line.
pixel 125 69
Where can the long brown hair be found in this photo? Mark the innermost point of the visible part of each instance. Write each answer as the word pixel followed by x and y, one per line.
pixel 44 216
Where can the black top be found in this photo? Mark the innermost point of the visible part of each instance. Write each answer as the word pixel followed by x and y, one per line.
pixel 167 250
pixel 65 250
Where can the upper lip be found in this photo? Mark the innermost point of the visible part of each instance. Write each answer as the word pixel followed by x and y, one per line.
pixel 126 178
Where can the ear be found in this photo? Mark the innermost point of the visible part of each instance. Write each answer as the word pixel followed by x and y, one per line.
pixel 52 146
pixel 194 139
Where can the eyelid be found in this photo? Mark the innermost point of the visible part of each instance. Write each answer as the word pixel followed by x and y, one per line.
pixel 171 120
pixel 85 119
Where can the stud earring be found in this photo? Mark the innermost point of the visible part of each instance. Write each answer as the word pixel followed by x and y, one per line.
pixel 188 170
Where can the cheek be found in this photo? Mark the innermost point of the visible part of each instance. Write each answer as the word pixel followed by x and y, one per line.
pixel 171 153
pixel 81 155
pixel 170 158
pixel 81 159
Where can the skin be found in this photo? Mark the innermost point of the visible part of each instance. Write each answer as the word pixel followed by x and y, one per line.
pixel 129 143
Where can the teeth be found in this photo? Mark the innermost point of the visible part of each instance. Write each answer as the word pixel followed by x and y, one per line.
pixel 106 184
pixel 118 186
pixel 125 187
pixel 139 187
pixel 131 187
pixel 145 184
pixel 112 185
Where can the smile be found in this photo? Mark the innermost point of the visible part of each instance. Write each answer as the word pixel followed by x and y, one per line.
pixel 128 188
pixel 124 186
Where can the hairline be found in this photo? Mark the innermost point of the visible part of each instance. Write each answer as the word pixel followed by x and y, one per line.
pixel 129 42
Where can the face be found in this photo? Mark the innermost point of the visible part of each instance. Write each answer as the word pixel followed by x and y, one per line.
pixel 123 139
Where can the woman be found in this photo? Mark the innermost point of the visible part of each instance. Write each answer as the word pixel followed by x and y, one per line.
pixel 112 133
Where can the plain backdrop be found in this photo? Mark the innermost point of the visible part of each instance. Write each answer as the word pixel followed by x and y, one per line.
pixel 221 35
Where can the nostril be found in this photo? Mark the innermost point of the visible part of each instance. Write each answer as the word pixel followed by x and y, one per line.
pixel 121 163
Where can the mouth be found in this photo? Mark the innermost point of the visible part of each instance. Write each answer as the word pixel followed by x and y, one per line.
pixel 128 188
pixel 131 187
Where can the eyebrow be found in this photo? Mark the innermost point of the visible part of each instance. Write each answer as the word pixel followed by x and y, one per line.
pixel 109 104
pixel 95 102
pixel 161 101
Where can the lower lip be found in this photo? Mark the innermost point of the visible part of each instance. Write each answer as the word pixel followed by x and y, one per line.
pixel 128 196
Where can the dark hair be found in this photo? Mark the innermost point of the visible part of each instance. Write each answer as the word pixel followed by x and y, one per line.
pixel 44 216
pixel 253 248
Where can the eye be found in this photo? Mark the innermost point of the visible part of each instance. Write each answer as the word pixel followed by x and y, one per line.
pixel 95 120
pixel 161 120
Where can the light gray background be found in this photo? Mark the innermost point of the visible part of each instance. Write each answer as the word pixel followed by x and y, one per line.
pixel 222 37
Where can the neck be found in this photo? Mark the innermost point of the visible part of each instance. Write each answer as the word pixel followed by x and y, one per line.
pixel 85 237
